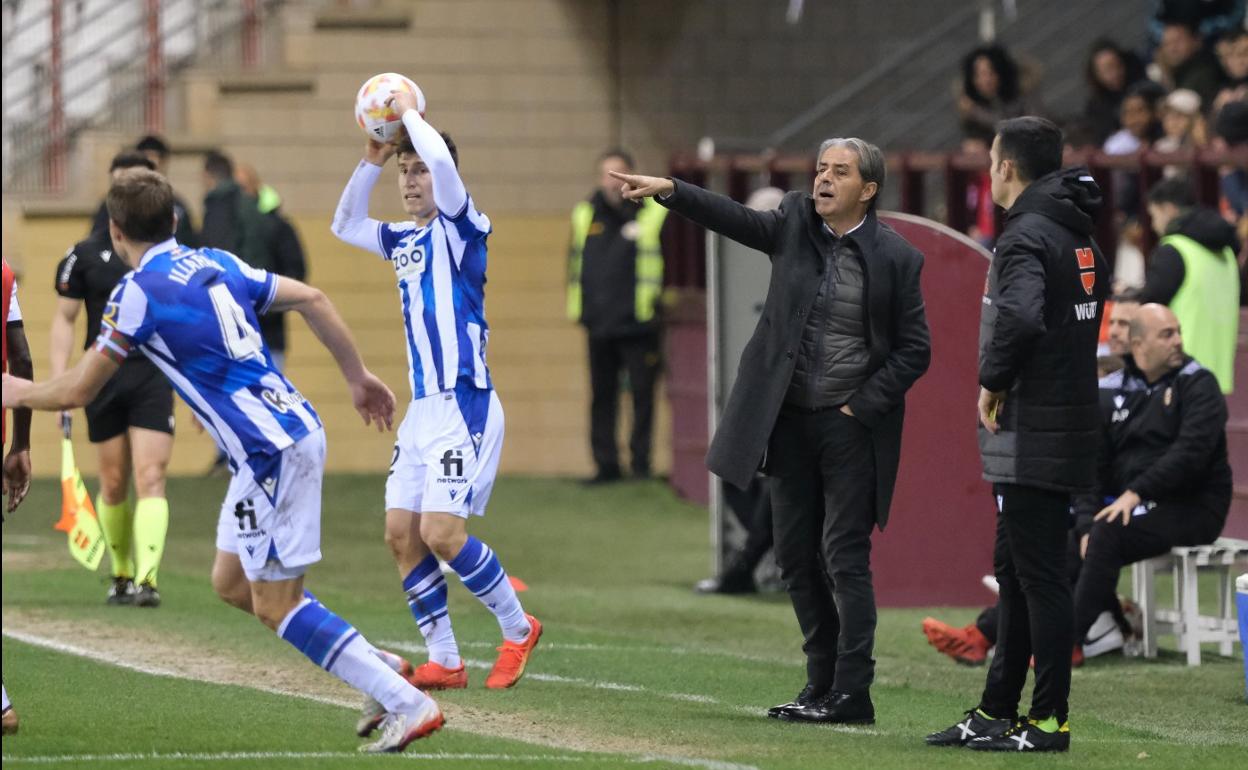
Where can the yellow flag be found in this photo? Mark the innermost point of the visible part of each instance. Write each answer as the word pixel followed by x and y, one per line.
pixel 78 519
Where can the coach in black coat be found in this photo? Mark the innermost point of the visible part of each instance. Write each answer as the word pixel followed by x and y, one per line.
pixel 819 399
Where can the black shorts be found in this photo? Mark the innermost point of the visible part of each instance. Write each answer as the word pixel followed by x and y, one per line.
pixel 138 396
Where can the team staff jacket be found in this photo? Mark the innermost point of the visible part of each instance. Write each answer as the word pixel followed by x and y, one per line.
pixel 894 320
pixel 1039 322
pixel 1165 441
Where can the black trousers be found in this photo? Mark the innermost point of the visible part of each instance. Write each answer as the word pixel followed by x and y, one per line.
pixel 823 504
pixel 988 620
pixel 1113 546
pixel 1036 613
pixel 639 357
pixel 752 508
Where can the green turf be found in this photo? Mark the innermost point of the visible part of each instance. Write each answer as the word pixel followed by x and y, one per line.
pixel 631 658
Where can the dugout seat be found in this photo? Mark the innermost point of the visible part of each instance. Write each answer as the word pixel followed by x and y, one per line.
pixel 1185 622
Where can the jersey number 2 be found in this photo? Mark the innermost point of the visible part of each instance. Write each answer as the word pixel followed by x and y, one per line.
pixel 241 340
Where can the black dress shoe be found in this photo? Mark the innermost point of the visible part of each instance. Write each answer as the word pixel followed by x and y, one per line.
pixel 807 697
pixel 838 707
pixel 603 476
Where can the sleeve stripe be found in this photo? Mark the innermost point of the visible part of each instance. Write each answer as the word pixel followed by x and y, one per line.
pixel 114 344
pixel 271 294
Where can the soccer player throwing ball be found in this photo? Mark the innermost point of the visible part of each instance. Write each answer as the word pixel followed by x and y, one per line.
pixel 193 312
pixel 448 446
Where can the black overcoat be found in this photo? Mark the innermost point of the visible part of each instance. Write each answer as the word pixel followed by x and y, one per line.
pixel 896 324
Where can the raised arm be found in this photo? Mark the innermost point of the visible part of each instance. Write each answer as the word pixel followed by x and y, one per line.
pixel 755 229
pixel 372 399
pixel 449 192
pixel 351 221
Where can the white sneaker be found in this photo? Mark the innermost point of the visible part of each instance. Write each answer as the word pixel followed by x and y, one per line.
pixel 372 715
pixel 402 728
pixel 1104 636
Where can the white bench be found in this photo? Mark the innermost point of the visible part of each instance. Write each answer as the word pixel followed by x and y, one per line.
pixel 1185 622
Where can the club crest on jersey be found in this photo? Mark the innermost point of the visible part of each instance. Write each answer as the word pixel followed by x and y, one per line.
pixel 1087 269
pixel 408 258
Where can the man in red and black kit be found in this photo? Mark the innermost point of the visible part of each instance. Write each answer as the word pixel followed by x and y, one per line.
pixel 17 461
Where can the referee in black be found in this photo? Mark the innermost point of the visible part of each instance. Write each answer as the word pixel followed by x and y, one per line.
pixel 1039 421
pixel 130 421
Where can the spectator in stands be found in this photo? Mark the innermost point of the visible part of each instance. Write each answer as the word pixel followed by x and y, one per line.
pixel 270 243
pixel 991 89
pixel 1233 55
pixel 1182 125
pixel 157 151
pixel 1139 118
pixel 1163 453
pixel 222 204
pixel 1182 61
pixel 1194 271
pixel 615 279
pixel 1230 129
pixel 1210 18
pixel 981 212
pixel 1111 70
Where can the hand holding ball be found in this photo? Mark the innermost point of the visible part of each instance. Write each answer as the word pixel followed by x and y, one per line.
pixel 375 112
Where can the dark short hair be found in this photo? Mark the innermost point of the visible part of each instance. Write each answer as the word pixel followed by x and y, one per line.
pixel 1175 190
pixel 218 164
pixel 1191 26
pixel 131 159
pixel 1231 123
pixel 1033 143
pixel 1148 90
pixel 405 145
pixel 141 203
pixel 153 143
pixel 622 154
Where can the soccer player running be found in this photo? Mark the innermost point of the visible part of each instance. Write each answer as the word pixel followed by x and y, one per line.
pixel 130 422
pixel 17 461
pixel 194 313
pixel 447 451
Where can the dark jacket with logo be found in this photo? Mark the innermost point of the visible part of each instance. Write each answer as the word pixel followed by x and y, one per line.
pixel 1165 441
pixel 898 340
pixel 1038 332
pixel 1166 270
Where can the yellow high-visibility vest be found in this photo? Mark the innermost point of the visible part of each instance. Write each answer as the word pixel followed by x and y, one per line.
pixel 1207 306
pixel 649 265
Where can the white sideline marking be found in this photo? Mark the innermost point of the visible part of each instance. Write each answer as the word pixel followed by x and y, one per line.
pixel 238 756
pixel 599 684
pixel 657 649
pixel 82 652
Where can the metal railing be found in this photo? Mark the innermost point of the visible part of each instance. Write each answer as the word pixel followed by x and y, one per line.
pixel 106 64
pixel 935 185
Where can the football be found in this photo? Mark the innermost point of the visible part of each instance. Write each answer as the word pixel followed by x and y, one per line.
pixel 372 114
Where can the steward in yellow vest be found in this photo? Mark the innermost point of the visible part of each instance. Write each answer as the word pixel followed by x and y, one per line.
pixel 1194 271
pixel 615 281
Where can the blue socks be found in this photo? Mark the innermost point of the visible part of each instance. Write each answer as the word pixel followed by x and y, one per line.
pixel 333 644
pixel 426 596
pixel 479 569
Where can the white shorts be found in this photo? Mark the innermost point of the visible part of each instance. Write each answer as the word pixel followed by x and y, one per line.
pixel 447 453
pixel 273 523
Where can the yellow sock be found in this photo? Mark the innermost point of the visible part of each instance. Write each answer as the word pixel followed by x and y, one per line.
pixel 115 520
pixel 151 522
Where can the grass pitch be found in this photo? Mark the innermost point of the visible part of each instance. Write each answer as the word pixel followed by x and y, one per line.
pixel 633 670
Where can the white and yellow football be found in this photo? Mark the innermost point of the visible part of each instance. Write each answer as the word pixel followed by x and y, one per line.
pixel 372 114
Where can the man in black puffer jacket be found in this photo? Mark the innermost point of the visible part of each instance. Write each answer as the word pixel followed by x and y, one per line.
pixel 1039 416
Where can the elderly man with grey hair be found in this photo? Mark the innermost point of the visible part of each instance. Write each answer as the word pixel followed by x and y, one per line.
pixel 819 400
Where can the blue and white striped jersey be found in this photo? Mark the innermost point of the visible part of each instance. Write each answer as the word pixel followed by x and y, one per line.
pixel 440 269
pixel 193 312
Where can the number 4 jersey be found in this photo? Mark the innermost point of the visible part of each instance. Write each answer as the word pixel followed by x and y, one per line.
pixel 194 313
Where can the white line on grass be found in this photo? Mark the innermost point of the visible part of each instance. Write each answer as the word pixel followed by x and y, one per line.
pixel 244 756
pixel 82 652
pixel 600 684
